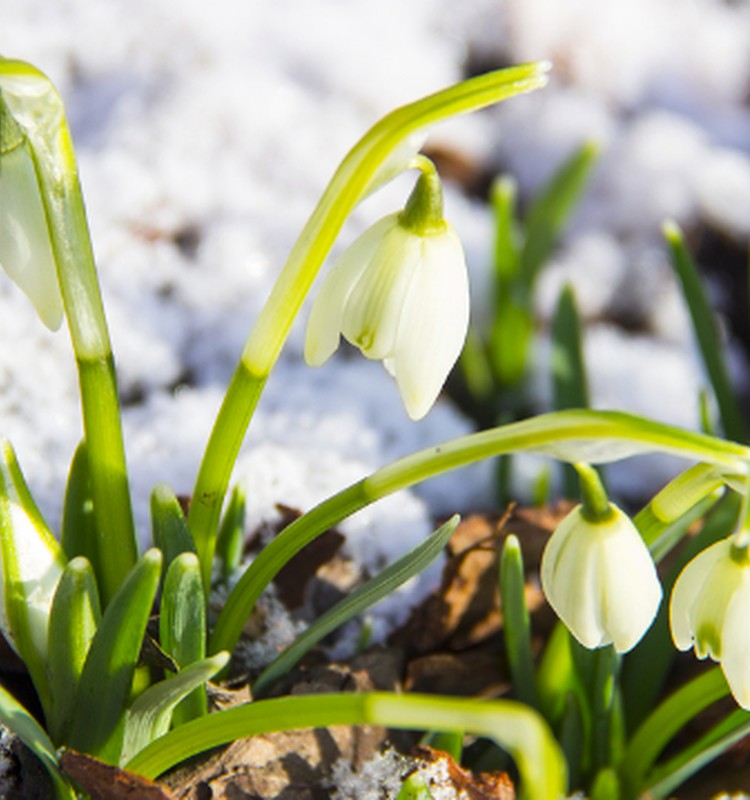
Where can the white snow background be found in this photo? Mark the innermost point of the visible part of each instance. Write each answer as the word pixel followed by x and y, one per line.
pixel 205 132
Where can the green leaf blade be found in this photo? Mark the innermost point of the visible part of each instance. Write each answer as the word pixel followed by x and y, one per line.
pixel 182 625
pixel 107 676
pixel 552 208
pixel 514 727
pixel 706 334
pixel 150 715
pixel 367 595
pixel 74 619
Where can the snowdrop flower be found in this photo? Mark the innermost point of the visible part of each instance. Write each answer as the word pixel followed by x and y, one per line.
pixel 598 576
pixel 28 105
pixel 709 610
pixel 400 294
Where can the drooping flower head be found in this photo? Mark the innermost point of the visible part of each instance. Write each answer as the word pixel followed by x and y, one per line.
pixel 709 611
pixel 598 576
pixel 400 294
pixel 30 114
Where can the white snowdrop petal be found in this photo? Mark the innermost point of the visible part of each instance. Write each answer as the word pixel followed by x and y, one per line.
pixel 710 606
pixel 324 324
pixel 569 579
pixel 632 592
pixel 686 590
pixel 375 306
pixel 434 323
pixel 25 249
pixel 735 635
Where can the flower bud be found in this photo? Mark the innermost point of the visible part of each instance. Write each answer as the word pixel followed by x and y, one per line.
pixel 600 579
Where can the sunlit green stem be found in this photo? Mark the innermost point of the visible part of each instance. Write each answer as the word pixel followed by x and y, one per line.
pixel 513 726
pixel 375 159
pixel 573 436
pixel 38 109
pixel 595 505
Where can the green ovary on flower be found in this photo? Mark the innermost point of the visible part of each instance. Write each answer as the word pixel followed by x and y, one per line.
pixel 600 580
pixel 401 296
pixel 709 611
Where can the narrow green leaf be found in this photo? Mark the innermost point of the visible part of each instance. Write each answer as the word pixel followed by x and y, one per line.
pixel 406 567
pixel 231 538
pixel 168 525
pixel 514 727
pixel 107 678
pixel 18 720
pixel 150 715
pixel 606 785
pixel 551 209
pixel 32 562
pixel 504 196
pixel 563 699
pixel 667 777
pixel 663 723
pixel 516 623
pixel 569 381
pixel 704 327
pixel 414 788
pixel 73 622
pixel 182 625
pixel 78 533
pixel 510 341
pixel 573 736
pixel 476 369
pixel 451 742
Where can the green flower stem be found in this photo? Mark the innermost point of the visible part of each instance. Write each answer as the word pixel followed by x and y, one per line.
pixel 54 161
pixel 513 727
pixel 373 160
pixel 423 212
pixel 594 502
pixel 590 436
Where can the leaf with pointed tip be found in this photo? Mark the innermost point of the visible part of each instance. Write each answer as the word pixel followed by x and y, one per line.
pixel 73 621
pixel 414 562
pixel 232 532
pixel 78 533
pixel 150 715
pixel 552 208
pixel 168 525
pixel 182 625
pixel 18 720
pixel 107 677
pixel 706 333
